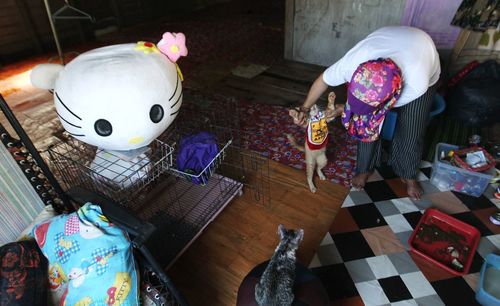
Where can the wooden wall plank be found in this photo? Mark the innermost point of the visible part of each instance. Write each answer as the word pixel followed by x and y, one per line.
pixel 27 25
pixel 299 74
pixel 5 14
pixel 10 30
pixel 24 27
pixel 289 30
pixel 7 4
pixel 14 47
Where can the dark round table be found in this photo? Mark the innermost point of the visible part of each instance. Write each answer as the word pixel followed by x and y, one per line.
pixel 308 289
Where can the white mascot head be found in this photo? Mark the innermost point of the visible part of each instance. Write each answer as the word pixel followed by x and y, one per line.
pixel 119 97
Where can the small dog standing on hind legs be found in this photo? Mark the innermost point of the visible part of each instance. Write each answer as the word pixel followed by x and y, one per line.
pixel 316 140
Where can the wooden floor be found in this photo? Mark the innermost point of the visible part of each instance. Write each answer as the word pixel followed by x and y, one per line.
pixel 245 234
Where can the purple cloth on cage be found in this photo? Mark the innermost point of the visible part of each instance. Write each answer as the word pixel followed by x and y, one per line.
pixel 433 17
pixel 195 153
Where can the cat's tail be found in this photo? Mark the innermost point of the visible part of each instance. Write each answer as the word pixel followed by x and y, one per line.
pixel 294 143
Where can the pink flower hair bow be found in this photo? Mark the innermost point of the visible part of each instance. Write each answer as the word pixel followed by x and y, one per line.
pixel 173 45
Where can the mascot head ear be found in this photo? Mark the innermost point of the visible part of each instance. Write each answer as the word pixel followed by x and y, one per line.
pixel 44 76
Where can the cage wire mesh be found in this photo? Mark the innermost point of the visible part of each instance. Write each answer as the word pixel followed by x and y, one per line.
pixel 222 114
pixel 178 203
pixel 83 165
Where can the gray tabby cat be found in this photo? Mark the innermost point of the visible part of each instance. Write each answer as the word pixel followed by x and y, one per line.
pixel 276 284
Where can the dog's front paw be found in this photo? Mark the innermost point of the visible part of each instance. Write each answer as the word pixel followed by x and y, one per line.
pixel 331 98
pixel 321 176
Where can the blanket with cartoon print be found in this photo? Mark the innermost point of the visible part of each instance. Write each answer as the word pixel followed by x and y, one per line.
pixel 90 259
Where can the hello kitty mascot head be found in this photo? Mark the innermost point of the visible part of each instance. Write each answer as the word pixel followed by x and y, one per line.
pixel 119 97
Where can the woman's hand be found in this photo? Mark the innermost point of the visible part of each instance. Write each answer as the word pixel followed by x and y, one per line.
pixel 335 112
pixel 299 116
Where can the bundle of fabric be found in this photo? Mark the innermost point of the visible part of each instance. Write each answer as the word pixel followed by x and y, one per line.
pixel 196 152
pixel 23 274
pixel 90 260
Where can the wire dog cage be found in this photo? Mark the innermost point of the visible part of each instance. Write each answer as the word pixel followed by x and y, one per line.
pixel 158 204
pixel 180 204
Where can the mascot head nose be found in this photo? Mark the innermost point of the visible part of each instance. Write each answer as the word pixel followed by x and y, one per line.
pixel 135 140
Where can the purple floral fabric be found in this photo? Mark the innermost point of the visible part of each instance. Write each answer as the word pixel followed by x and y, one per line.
pixel 374 89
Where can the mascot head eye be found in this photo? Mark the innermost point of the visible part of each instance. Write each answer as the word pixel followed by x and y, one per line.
pixel 103 127
pixel 156 113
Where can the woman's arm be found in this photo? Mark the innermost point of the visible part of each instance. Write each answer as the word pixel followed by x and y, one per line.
pixel 317 89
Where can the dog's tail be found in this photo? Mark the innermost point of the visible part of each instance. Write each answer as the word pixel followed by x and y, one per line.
pixel 294 143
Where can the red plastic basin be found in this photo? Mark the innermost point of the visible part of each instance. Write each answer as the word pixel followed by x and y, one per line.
pixel 440 238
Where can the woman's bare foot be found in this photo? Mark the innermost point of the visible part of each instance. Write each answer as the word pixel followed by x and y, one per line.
pixel 359 180
pixel 413 189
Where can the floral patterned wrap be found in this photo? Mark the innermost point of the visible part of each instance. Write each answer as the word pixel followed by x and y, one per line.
pixel 374 89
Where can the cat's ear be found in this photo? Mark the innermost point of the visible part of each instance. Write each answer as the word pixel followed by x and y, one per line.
pixel 281 231
pixel 44 76
pixel 299 234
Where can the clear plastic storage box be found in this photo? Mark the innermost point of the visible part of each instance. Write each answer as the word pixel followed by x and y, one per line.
pixel 448 177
